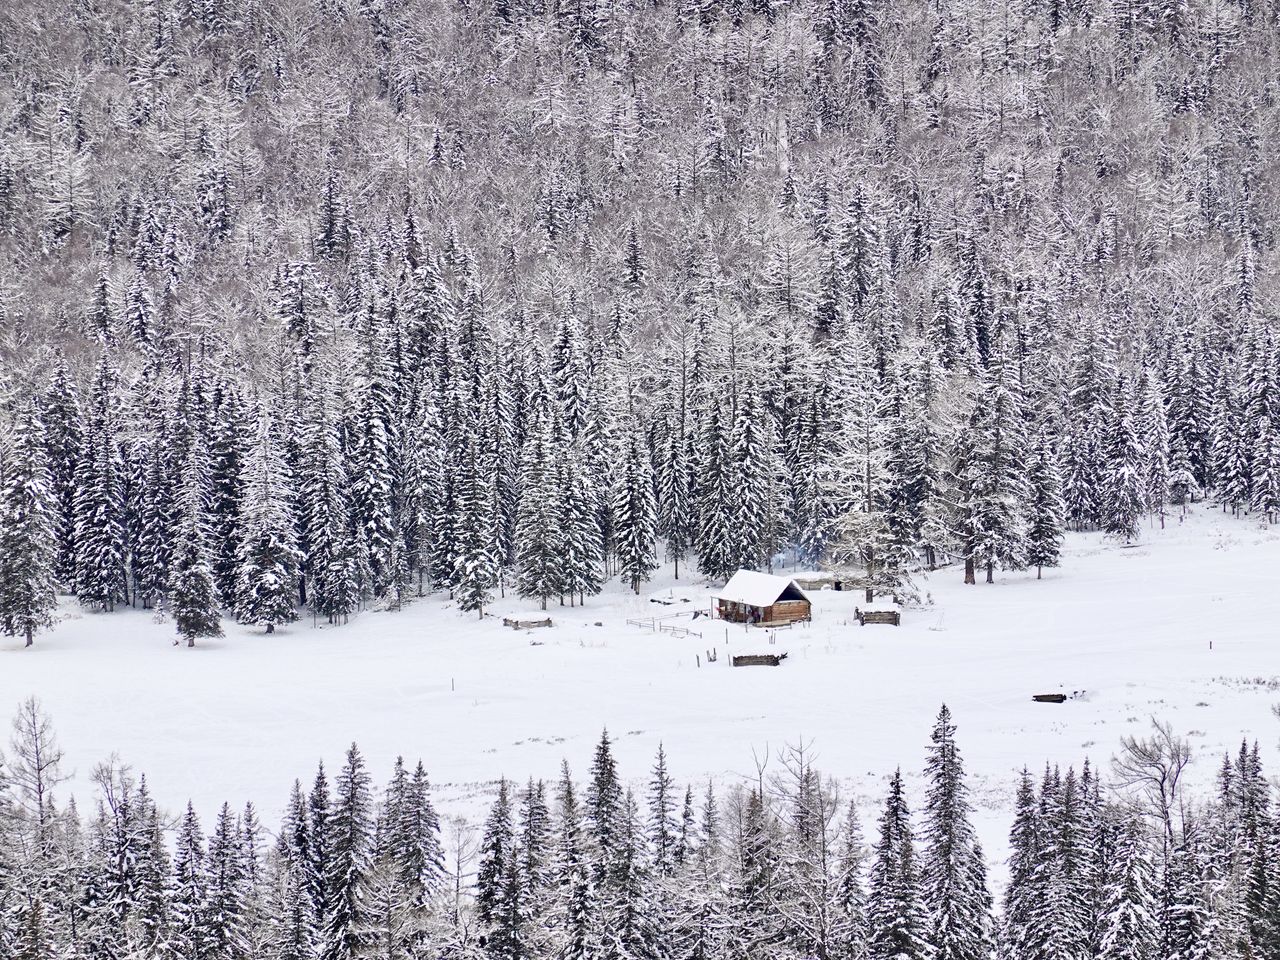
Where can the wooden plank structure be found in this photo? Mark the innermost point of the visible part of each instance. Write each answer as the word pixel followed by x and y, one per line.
pixel 893 617
pixel 759 598
pixel 525 624
pixel 759 660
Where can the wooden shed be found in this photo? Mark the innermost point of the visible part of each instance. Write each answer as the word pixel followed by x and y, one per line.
pixel 761 598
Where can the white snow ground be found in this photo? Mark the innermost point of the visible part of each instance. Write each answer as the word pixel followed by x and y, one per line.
pixel 239 718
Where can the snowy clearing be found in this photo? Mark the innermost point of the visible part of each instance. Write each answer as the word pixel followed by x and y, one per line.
pixel 241 717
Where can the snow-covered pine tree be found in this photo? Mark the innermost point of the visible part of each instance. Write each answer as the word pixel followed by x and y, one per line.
pixel 753 517
pixel 188 936
pixel 329 549
pixel 1266 471
pixel 100 523
pixel 267 578
pixel 28 514
pixel 1129 930
pixel 583 556
pixel 373 476
pixel 990 473
pixel 409 835
pixel 953 875
pixel 534 844
pixel 635 515
pixel 539 534
pixel 499 895
pixel 1124 479
pixel 604 808
pixel 663 836
pixel 230 438
pixel 715 504
pixel 1230 444
pixel 1084 445
pixel 227 903
pixel 676 484
pixel 1021 897
pixel 476 569
pixel 849 920
pixel 319 848
pixel 1190 409
pixel 1153 436
pixel 897 925
pixel 573 905
pixel 1046 510
pixel 192 591
pixel 349 856
pixel 153 549
pixel 62 418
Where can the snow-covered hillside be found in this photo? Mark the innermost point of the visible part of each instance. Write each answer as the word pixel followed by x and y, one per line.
pixel 1180 627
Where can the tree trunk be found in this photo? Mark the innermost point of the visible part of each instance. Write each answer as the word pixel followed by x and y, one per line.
pixel 271 628
pixel 191 640
pixel 969 576
pixel 991 567
pixel 1039 571
pixel 30 635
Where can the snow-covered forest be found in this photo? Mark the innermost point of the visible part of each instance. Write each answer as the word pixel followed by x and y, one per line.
pixel 1119 864
pixel 314 304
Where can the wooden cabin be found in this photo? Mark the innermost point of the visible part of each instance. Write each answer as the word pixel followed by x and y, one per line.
pixel 760 598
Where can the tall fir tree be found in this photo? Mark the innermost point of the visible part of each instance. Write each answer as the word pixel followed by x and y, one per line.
pixel 635 515
pixel 28 516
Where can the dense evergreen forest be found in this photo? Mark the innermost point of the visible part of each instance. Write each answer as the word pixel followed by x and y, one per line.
pixel 1126 866
pixel 310 304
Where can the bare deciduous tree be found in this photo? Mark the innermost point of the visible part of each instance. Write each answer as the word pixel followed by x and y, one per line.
pixel 1153 767
pixel 35 766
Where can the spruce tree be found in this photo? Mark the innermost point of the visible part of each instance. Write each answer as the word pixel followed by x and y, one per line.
pixel 192 591
pixel 100 521
pixel 227 895
pixel 675 501
pixel 953 875
pixel 62 419
pixel 897 925
pixel 604 806
pixel 1123 481
pixel 1266 471
pixel 189 935
pixel 540 536
pixel 267 577
pixel 349 856
pixel 1046 510
pixel 991 475
pixel 635 516
pixel 28 513
pixel 663 836
pixel 476 569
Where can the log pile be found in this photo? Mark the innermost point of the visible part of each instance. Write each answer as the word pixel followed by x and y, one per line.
pixel 759 660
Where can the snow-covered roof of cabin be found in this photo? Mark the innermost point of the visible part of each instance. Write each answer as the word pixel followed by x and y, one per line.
pixel 759 589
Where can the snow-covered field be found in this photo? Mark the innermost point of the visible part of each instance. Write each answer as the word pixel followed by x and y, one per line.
pixel 240 717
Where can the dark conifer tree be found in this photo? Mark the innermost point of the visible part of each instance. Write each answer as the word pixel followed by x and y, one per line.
pixel 28 516
pixel 897 926
pixel 1046 512
pixel 100 522
pixel 954 881
pixel 348 855
pixel 192 590
pixel 61 417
